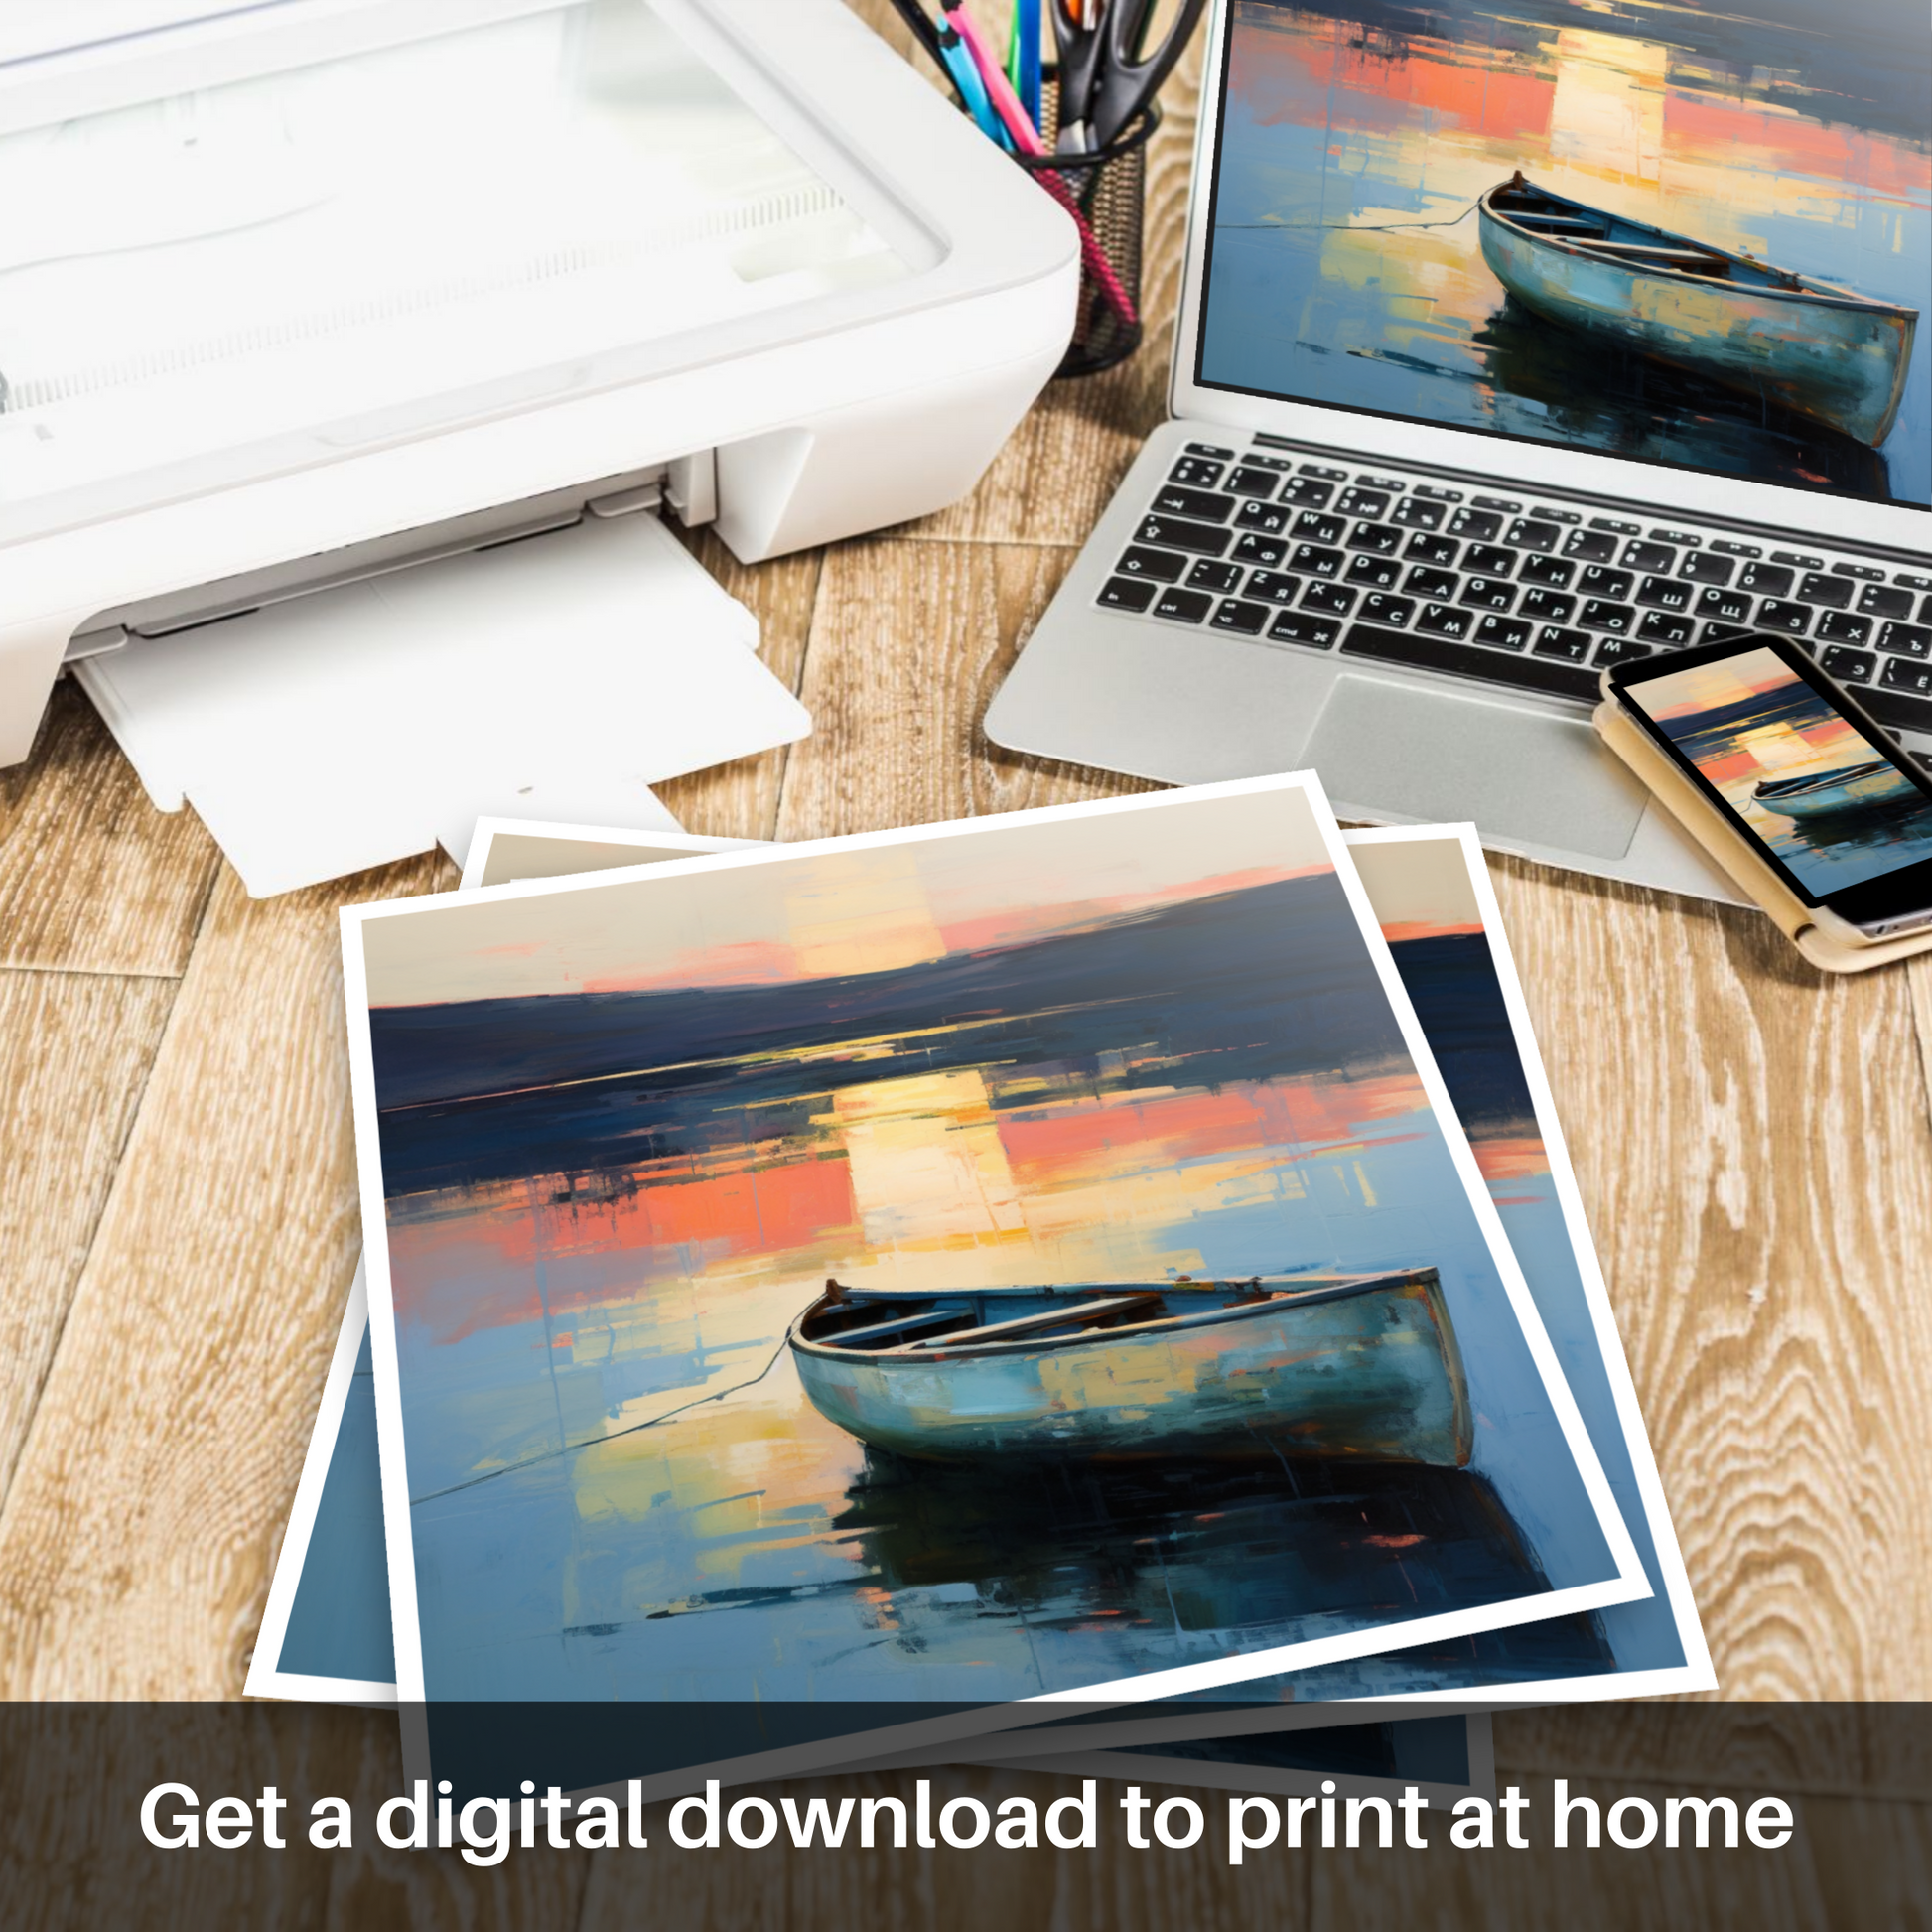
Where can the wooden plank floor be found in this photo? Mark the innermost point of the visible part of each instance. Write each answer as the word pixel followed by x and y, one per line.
pixel 1753 1143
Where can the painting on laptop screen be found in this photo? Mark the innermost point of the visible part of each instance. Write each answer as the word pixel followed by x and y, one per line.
pixel 1687 233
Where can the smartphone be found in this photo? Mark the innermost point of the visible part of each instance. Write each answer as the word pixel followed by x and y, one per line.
pixel 1787 757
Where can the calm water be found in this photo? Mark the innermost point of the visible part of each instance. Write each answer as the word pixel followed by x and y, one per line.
pixel 1338 123
pixel 1828 852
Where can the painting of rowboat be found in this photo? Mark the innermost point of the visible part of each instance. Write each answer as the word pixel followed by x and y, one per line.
pixel 1363 1367
pixel 1683 233
pixel 964 1263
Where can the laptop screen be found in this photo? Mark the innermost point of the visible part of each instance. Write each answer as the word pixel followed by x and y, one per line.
pixel 1696 232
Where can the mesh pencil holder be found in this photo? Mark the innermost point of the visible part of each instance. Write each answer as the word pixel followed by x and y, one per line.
pixel 1105 192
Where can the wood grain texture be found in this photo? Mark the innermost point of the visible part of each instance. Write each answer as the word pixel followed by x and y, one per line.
pixel 137 1537
pixel 92 878
pixel 1849 1867
pixel 74 1054
pixel 908 644
pixel 1752 1145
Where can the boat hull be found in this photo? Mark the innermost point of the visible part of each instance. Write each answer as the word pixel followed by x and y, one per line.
pixel 1372 1374
pixel 1881 791
pixel 1839 361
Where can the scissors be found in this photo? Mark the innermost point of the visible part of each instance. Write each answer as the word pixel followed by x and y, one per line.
pixel 1107 76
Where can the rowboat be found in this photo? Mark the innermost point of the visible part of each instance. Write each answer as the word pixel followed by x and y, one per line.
pixel 1789 338
pixel 1871 787
pixel 1363 1366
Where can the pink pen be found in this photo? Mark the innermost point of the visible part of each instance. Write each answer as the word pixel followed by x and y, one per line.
pixel 1026 137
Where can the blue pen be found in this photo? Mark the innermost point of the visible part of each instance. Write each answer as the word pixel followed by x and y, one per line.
pixel 1026 82
pixel 972 89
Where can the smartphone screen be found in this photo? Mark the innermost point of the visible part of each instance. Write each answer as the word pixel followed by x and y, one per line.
pixel 1792 763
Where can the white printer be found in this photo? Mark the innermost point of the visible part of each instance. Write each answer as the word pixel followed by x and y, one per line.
pixel 298 295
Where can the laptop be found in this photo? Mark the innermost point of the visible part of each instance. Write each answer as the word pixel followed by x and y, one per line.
pixel 1515 342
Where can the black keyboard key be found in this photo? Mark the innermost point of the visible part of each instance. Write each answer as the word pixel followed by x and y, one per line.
pixel 1197 471
pixel 1666 628
pixel 1432 550
pixel 1379 572
pixel 1307 493
pixel 1431 583
pixel 1735 549
pixel 1488 560
pixel 1276 586
pixel 1848 667
pixel 1701 567
pixel 1908 640
pixel 1247 480
pixel 1279 463
pixel 1798 559
pixel 1911 581
pixel 1383 538
pixel 1665 594
pixel 1869 573
pixel 1834 593
pixel 1768 580
pixel 1299 627
pixel 1726 607
pixel 1269 518
pixel 1546 607
pixel 1902 676
pixel 1445 620
pixel 1237 614
pixel 1128 593
pixel 1507 504
pixel 1316 561
pixel 1487 595
pixel 1331 598
pixel 1356 502
pixel 1528 533
pixel 1554 641
pixel 1895 709
pixel 1879 600
pixel 1618 650
pixel 1649 556
pixel 1590 546
pixel 1777 613
pixel 1312 527
pixel 1600 614
pixel 1925 612
pixel 1842 627
pixel 1418 513
pixel 1253 549
pixel 1171 499
pixel 1552 570
pixel 1162 565
pixel 1437 652
pixel 1554 516
pixel 1598 582
pixel 1210 448
pixel 1208 575
pixel 1318 469
pixel 1480 524
pixel 1174 533
pixel 1184 606
pixel 1394 611
pixel 1502 634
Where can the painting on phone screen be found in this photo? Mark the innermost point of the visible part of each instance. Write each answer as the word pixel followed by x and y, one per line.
pixel 1812 787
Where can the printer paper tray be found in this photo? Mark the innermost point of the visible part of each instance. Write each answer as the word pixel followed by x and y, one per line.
pixel 555 677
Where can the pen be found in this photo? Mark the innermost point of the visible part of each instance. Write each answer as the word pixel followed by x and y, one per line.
pixel 1023 56
pixel 1026 138
pixel 968 74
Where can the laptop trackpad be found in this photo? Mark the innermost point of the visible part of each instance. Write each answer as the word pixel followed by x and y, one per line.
pixel 1384 746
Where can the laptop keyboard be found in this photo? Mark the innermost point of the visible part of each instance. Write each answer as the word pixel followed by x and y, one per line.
pixel 1527 594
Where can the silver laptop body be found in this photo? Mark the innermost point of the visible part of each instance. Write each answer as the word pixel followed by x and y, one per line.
pixel 1419 610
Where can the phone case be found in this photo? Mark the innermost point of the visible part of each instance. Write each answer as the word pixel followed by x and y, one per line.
pixel 1735 855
